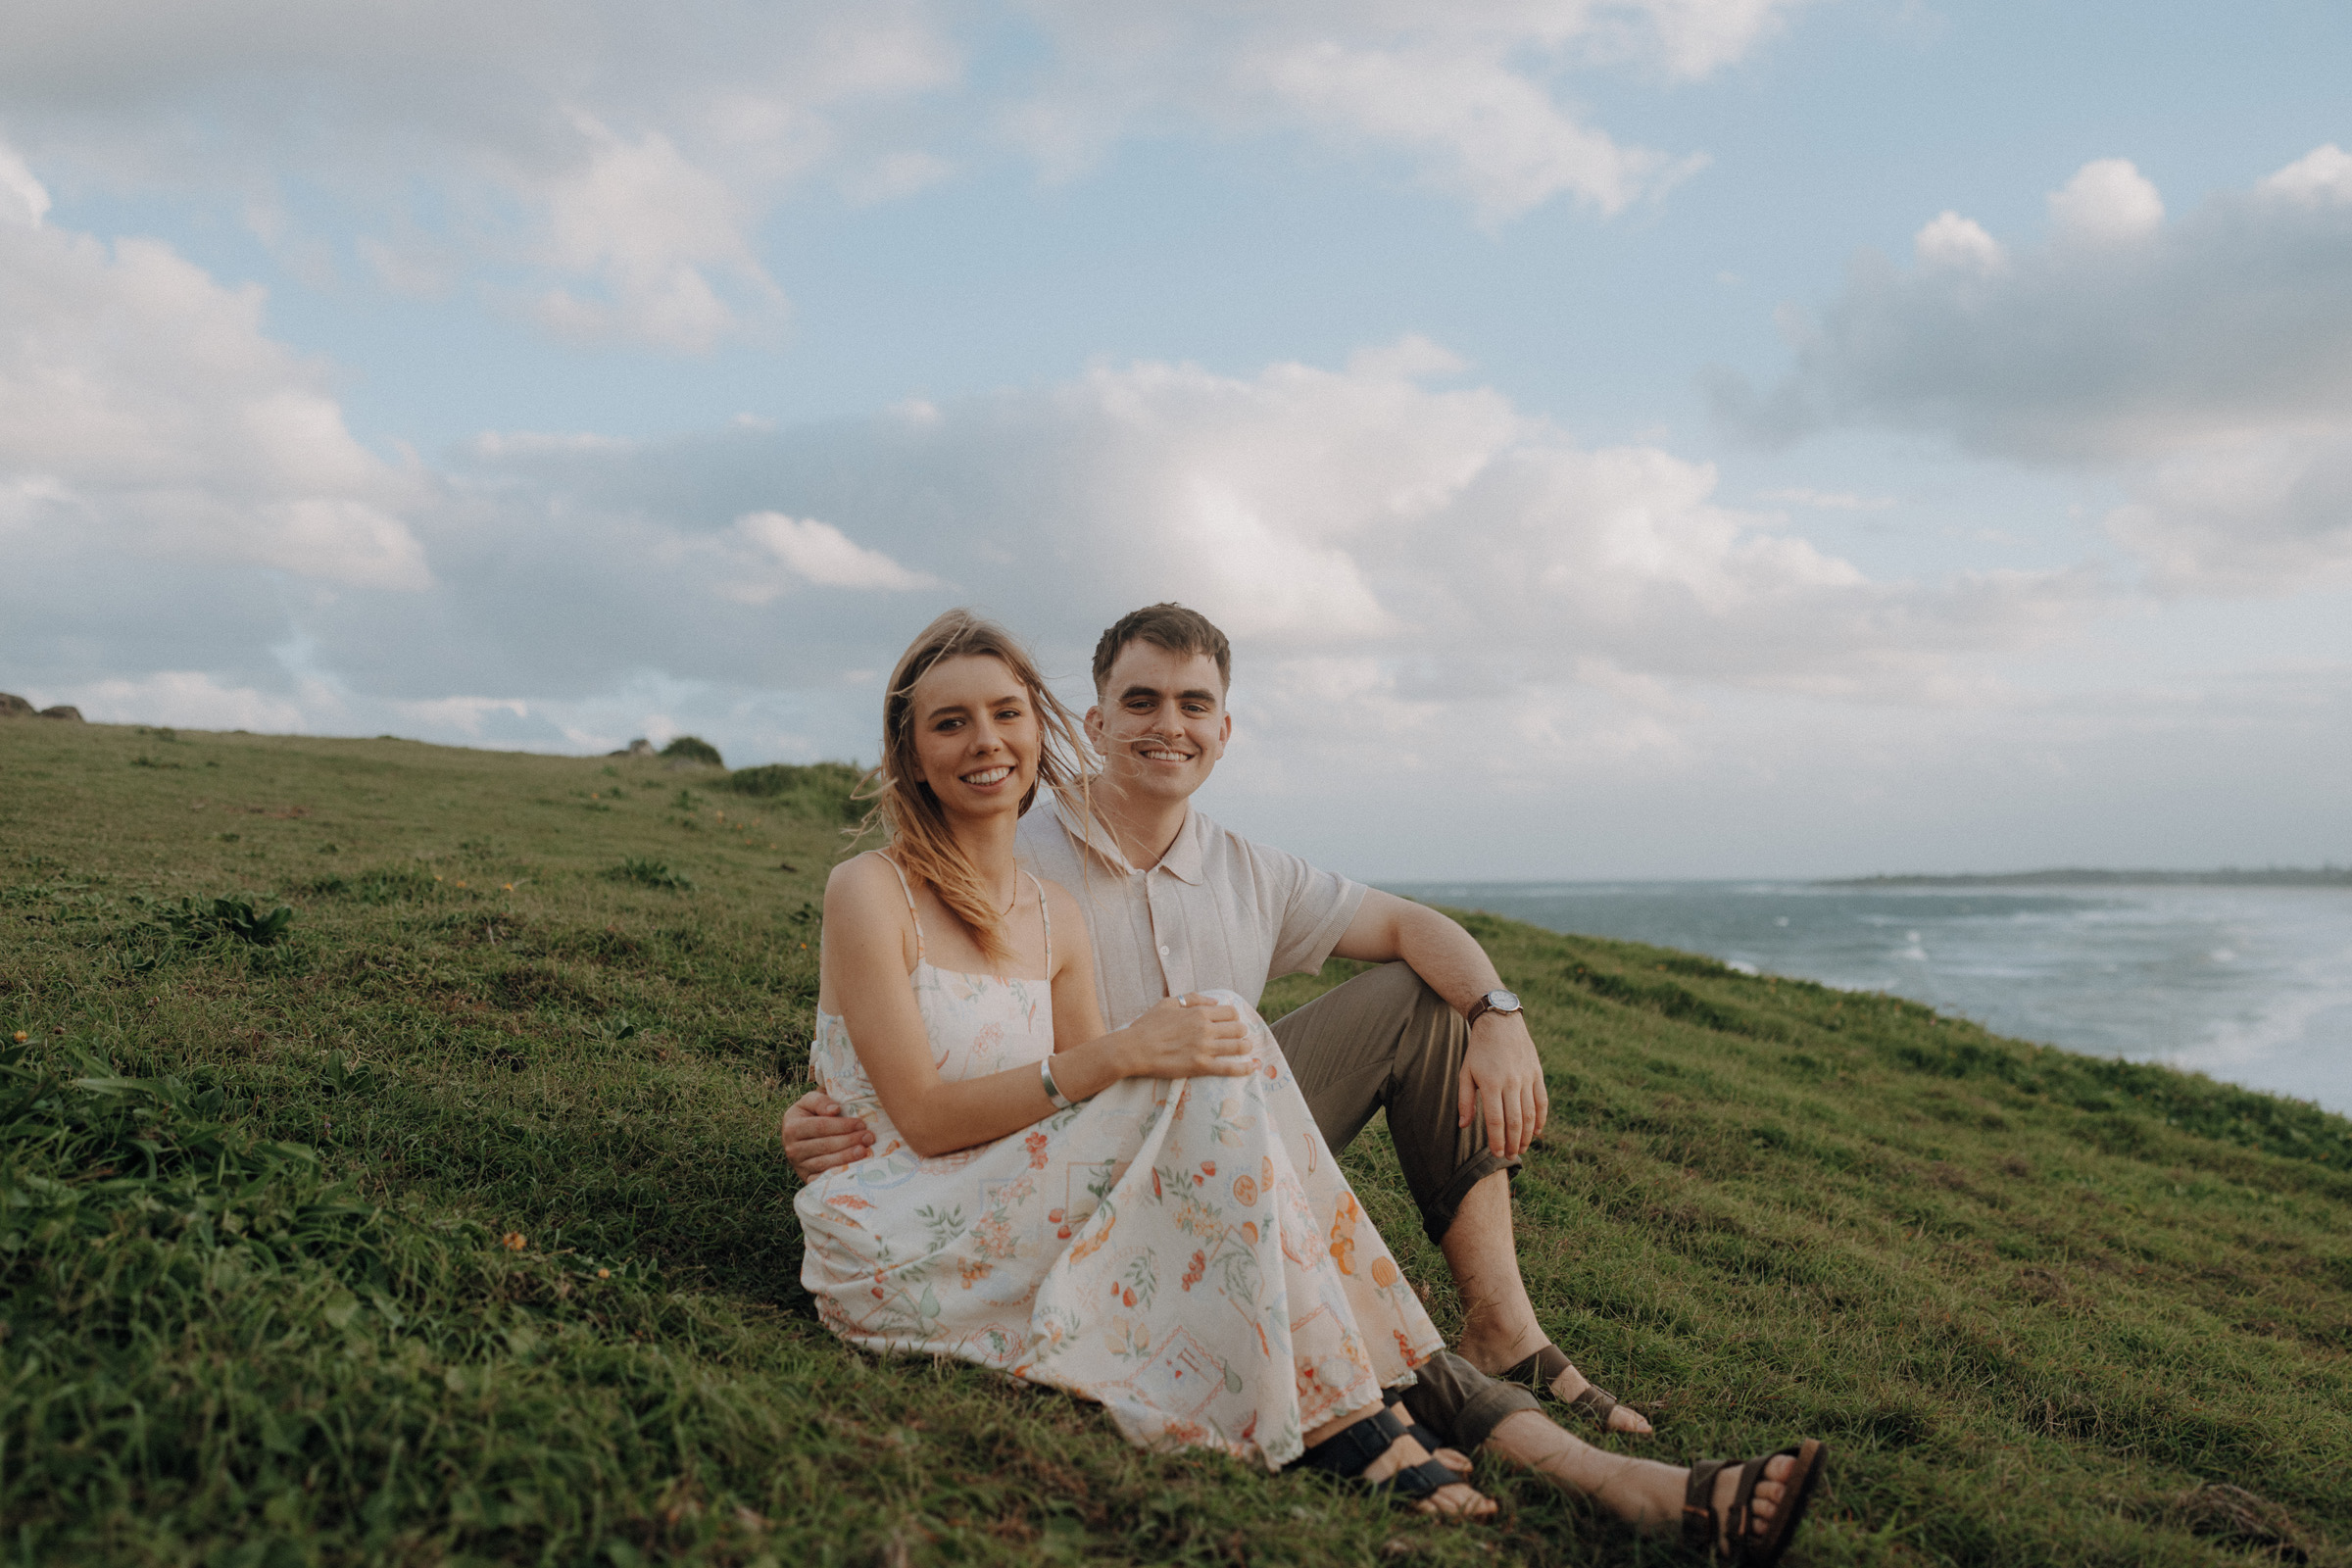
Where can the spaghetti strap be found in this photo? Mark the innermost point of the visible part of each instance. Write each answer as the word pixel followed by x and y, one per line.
pixel 910 909
pixel 1048 914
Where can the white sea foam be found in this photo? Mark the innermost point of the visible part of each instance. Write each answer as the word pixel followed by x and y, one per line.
pixel 2252 985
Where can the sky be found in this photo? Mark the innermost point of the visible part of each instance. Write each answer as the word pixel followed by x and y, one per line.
pixel 1622 438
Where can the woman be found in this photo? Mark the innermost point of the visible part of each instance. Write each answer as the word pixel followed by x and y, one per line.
pixel 1146 1218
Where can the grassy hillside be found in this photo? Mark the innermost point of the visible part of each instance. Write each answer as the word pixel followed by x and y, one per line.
pixel 443 1220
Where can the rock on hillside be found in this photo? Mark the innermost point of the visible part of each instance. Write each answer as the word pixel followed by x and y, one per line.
pixel 14 706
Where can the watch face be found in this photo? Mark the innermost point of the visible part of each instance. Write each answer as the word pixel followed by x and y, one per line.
pixel 1502 1001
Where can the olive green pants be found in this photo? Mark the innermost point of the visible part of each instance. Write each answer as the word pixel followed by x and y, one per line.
pixel 1385 1041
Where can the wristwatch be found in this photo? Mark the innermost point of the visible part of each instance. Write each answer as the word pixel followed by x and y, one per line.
pixel 1491 1002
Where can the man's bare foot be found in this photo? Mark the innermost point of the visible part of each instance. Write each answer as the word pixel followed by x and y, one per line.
pixel 1644 1492
pixel 1649 1496
pixel 1493 1356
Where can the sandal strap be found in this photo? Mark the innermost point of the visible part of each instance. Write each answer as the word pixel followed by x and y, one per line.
pixel 1744 1501
pixel 1596 1401
pixel 1394 1398
pixel 1348 1452
pixel 1418 1481
pixel 1537 1371
pixel 1700 1528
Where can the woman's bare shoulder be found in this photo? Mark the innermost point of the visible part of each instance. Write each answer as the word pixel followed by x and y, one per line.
pixel 866 881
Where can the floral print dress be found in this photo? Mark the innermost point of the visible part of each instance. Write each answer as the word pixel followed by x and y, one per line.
pixel 1185 1252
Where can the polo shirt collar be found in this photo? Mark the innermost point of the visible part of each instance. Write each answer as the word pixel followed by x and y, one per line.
pixel 1185 857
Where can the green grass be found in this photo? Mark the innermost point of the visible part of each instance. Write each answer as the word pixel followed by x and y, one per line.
pixel 442 1220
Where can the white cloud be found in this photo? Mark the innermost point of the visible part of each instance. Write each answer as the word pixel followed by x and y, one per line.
pixel 818 553
pixel 1478 126
pixel 23 200
pixel 143 411
pixel 603 171
pixel 653 228
pixel 1457 544
pixel 1949 240
pixel 190 699
pixel 1828 500
pixel 2323 174
pixel 2253 514
pixel 603 151
pixel 1432 544
pixel 1469 93
pixel 2108 202
pixel 2203 362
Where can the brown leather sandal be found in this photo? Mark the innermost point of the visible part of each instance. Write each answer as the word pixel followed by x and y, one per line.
pixel 1539 1371
pixel 1727 1539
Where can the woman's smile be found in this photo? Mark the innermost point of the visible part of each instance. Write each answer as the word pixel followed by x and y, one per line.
pixel 977 734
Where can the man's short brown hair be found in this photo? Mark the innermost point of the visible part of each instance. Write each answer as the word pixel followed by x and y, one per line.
pixel 1170 626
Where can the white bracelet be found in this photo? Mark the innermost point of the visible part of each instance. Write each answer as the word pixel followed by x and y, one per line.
pixel 1045 1078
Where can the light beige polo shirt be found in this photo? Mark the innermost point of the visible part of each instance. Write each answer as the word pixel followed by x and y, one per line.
pixel 1216 912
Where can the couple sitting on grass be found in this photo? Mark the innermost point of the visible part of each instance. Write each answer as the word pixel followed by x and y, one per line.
pixel 1151 1215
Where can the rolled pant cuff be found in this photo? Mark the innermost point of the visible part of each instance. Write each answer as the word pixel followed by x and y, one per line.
pixel 1461 1405
pixel 1437 1215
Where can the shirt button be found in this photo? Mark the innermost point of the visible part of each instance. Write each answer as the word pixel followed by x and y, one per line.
pixel 1163 950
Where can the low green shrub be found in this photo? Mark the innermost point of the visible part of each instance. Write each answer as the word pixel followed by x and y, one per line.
pixel 819 792
pixel 692 748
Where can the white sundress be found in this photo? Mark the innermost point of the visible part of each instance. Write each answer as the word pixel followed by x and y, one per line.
pixel 1186 1251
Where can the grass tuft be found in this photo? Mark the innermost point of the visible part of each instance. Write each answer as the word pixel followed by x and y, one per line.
pixel 650 874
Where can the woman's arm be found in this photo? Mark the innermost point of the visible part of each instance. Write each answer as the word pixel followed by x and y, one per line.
pixel 863 965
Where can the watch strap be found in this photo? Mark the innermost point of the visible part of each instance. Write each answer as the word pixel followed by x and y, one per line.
pixel 1479 1009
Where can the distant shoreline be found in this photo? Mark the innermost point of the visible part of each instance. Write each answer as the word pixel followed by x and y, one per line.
pixel 2229 876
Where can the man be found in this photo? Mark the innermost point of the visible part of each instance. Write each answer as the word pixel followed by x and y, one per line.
pixel 1176 905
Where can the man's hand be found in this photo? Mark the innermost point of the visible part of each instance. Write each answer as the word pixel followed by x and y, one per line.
pixel 818 1137
pixel 1503 1079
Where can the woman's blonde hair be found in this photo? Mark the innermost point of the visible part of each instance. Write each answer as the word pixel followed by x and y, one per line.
pixel 903 802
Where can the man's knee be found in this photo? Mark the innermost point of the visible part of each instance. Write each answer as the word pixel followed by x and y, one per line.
pixel 1391 989
pixel 1432 1026
pixel 1411 989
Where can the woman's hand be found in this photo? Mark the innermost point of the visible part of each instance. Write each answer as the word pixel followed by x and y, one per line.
pixel 817 1136
pixel 1185 1036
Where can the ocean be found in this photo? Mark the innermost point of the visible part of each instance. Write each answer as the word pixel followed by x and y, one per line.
pixel 2252 985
